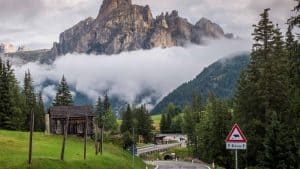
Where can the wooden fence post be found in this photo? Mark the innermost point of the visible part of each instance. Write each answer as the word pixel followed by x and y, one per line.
pixel 85 135
pixel 30 137
pixel 66 127
pixel 102 138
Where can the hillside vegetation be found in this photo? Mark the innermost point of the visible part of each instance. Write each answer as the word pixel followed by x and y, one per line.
pixel 46 153
pixel 220 78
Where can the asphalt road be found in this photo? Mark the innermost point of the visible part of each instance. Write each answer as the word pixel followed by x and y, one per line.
pixel 177 165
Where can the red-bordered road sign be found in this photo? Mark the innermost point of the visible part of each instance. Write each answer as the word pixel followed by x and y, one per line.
pixel 236 135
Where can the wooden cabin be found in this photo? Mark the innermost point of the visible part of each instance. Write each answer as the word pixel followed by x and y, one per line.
pixel 56 119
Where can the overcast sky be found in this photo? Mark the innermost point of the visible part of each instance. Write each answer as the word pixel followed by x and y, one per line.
pixel 37 23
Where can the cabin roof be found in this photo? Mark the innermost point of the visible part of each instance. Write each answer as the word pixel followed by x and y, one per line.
pixel 73 111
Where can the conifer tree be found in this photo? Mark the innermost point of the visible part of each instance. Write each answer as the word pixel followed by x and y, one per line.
pixel 254 94
pixel 11 100
pixel 109 118
pixel 127 121
pixel 106 103
pixel 39 122
pixel 163 124
pixel 144 123
pixel 293 49
pixel 280 149
pixel 168 123
pixel 176 125
pixel 63 96
pixel 30 99
pixel 99 112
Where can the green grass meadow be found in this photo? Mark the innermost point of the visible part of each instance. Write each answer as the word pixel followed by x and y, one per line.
pixel 46 153
pixel 156 121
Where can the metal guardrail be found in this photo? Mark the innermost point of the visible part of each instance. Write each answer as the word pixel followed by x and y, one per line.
pixel 156 148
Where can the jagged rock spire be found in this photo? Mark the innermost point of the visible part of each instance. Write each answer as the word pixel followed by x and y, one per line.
pixel 110 5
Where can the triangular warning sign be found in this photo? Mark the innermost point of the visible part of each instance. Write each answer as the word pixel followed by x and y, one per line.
pixel 236 135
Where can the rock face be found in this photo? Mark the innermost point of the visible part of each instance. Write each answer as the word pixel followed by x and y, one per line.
pixel 7 48
pixel 122 26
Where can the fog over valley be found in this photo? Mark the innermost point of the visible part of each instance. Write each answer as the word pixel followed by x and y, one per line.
pixel 129 74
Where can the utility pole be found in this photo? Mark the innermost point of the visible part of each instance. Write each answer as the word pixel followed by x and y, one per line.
pixel 30 137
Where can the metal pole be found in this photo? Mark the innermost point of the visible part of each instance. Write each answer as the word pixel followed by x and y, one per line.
pixel 236 159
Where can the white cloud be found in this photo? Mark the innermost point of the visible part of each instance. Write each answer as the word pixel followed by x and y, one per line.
pixel 128 74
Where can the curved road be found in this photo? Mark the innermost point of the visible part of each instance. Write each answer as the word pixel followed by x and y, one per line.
pixel 177 165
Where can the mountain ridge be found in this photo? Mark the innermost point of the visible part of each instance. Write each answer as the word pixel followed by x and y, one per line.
pixel 122 26
pixel 219 78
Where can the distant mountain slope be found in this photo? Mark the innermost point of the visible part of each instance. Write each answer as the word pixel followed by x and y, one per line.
pixel 219 78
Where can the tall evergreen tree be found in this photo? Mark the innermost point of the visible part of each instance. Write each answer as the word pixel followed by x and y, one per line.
pixel 106 103
pixel 255 92
pixel 295 20
pixel 280 148
pixel 191 117
pixel 127 121
pixel 264 88
pixel 99 112
pixel 63 96
pixel 39 121
pixel 168 123
pixel 163 123
pixel 293 49
pixel 109 118
pixel 176 125
pixel 11 100
pixel 30 99
pixel 144 124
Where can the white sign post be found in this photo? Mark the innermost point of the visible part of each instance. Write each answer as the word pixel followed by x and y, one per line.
pixel 236 141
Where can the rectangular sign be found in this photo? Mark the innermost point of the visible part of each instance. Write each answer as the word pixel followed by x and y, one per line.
pixel 236 146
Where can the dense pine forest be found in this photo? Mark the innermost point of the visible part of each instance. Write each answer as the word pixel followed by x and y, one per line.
pixel 17 103
pixel 221 77
pixel 266 105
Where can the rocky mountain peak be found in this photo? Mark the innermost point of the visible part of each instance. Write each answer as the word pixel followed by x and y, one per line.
pixel 110 5
pixel 122 26
pixel 209 28
pixel 203 21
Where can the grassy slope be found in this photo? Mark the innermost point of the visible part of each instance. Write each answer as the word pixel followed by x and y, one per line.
pixel 46 153
pixel 155 118
pixel 156 121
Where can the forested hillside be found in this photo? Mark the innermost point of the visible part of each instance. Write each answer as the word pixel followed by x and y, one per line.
pixel 220 78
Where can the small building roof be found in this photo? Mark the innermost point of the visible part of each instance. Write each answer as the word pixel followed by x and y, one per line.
pixel 74 111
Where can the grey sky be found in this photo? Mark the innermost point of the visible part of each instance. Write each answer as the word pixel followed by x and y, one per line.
pixel 37 23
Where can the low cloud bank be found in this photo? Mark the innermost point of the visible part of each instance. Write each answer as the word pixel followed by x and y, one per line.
pixel 129 74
